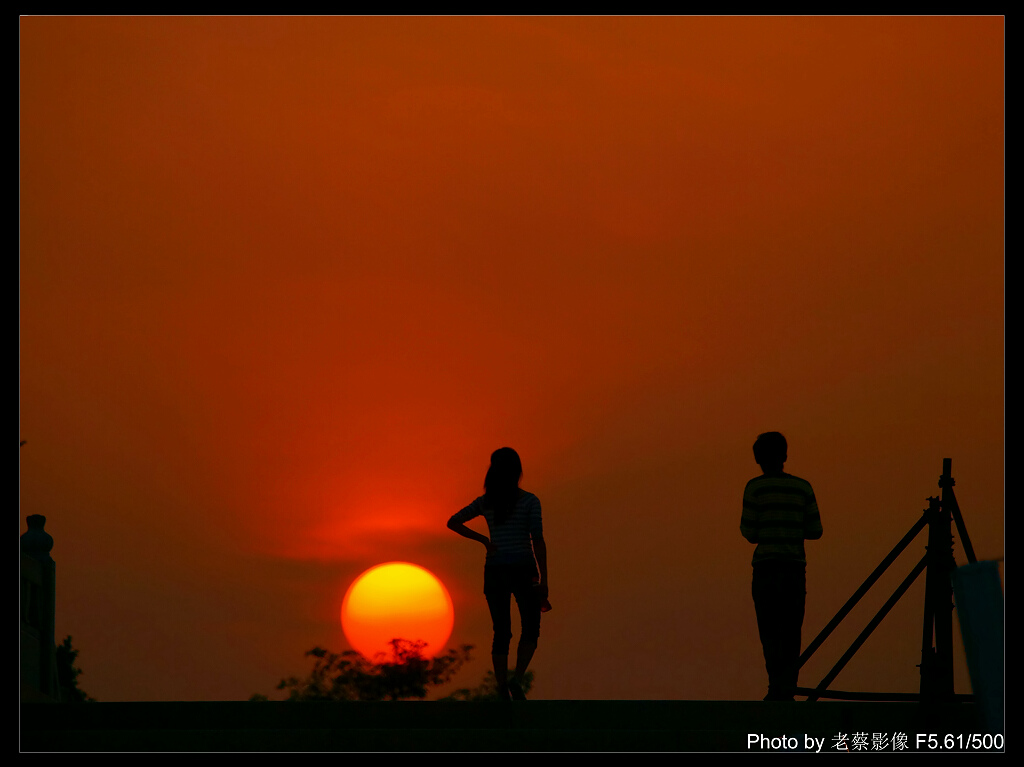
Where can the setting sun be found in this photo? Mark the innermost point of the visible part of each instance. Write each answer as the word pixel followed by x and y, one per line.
pixel 397 600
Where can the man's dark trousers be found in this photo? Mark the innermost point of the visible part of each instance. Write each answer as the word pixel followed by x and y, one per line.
pixel 780 589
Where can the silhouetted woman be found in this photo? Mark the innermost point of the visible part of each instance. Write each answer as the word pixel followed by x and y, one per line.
pixel 514 550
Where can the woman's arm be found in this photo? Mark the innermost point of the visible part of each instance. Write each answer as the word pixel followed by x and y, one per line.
pixel 540 549
pixel 465 532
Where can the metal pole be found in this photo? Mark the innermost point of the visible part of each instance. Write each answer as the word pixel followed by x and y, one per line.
pixel 940 586
pixel 928 628
pixel 949 502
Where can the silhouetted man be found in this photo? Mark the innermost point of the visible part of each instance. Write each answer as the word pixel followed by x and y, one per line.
pixel 779 512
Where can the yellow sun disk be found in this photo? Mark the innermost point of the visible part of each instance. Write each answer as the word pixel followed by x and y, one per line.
pixel 397 600
pixel 404 588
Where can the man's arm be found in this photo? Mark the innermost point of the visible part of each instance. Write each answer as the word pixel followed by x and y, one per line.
pixel 749 519
pixel 812 519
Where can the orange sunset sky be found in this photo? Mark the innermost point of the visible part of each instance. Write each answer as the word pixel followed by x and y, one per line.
pixel 285 283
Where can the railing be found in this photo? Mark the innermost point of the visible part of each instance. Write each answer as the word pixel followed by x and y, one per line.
pixel 937 637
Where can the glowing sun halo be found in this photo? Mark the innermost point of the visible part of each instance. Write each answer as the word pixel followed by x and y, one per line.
pixel 397 600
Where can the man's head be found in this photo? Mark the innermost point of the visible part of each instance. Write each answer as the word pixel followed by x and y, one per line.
pixel 770 451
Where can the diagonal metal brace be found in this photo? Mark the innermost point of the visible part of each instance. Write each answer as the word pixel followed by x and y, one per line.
pixel 852 602
pixel 908 581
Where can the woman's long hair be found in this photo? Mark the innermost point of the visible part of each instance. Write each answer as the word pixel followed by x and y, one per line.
pixel 501 485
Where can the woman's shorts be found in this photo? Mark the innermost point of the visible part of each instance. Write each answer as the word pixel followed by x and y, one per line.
pixel 501 582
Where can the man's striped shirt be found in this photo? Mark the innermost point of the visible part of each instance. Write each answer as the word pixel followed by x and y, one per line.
pixel 779 512
pixel 513 536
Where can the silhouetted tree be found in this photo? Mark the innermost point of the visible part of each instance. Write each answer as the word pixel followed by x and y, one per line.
pixel 350 676
pixel 487 689
pixel 67 674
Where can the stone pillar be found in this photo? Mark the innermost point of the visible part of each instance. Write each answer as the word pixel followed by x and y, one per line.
pixel 38 600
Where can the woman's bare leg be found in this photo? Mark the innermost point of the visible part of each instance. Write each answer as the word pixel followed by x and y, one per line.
pixel 501 673
pixel 524 655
